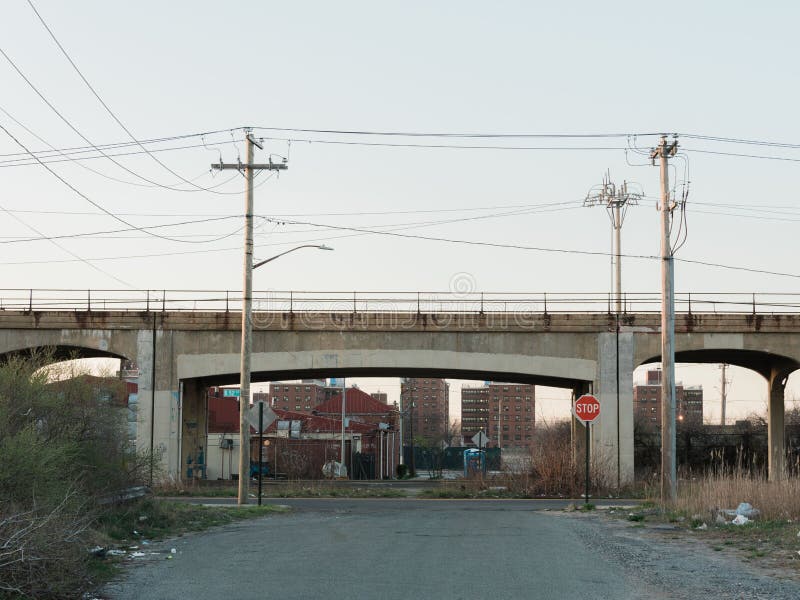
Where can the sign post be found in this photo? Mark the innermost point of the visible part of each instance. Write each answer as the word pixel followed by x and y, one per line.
pixel 586 410
pixel 260 417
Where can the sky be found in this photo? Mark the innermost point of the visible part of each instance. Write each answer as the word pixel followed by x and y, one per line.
pixel 179 69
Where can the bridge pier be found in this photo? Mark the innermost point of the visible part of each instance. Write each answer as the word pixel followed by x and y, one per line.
pixel 776 432
pixel 158 422
pixel 613 432
pixel 193 426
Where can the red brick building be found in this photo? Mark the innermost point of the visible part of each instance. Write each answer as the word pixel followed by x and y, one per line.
pixel 359 406
pixel 647 401
pixel 298 397
pixel 505 411
pixel 427 402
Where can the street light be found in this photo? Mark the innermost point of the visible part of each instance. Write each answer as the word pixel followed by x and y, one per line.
pixel 244 381
pixel 319 247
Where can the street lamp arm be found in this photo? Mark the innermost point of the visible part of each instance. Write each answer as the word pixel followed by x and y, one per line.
pixel 265 261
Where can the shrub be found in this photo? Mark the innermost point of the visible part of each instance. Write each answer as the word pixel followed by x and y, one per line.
pixel 62 448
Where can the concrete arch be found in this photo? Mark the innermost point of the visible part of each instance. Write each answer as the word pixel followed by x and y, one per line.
pixel 68 344
pixel 60 353
pixel 542 370
pixel 750 352
pixel 762 362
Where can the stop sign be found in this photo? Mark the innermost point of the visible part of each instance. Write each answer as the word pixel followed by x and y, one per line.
pixel 587 408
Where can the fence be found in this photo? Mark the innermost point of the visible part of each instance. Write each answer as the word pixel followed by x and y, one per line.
pixel 291 301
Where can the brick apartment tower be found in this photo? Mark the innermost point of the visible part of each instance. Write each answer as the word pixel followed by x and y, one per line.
pixel 505 411
pixel 647 401
pixel 298 397
pixel 430 416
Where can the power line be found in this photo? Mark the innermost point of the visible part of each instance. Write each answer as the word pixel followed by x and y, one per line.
pixel 88 141
pixel 110 112
pixel 744 141
pixel 742 155
pixel 457 135
pixel 85 197
pixel 112 231
pixel 323 214
pixel 441 146
pixel 536 248
pixel 79 163
pixel 70 252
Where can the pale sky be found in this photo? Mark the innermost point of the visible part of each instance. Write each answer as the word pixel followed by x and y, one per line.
pixel 177 68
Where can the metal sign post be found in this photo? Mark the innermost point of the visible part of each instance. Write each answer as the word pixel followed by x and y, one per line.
pixel 586 410
pixel 260 447
pixel 586 493
pixel 260 416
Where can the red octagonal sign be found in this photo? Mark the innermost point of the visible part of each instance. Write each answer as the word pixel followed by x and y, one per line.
pixel 587 408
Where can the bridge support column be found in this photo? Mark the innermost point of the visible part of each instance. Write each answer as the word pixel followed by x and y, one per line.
pixel 194 442
pixel 157 423
pixel 775 425
pixel 613 435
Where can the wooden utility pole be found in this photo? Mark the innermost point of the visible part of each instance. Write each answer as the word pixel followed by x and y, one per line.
pixel 668 443
pixel 248 168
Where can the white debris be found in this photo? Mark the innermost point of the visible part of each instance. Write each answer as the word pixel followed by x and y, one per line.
pixel 740 520
pixel 138 555
pixel 173 551
pixel 702 527
pixel 116 552
pixel 746 510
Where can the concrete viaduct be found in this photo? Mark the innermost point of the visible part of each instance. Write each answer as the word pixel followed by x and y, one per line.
pixel 181 352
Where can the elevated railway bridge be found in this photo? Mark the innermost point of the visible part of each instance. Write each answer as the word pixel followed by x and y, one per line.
pixel 184 341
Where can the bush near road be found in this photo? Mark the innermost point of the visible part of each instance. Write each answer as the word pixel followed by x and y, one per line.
pixel 63 448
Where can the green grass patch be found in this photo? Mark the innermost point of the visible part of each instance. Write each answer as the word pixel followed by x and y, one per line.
pixel 154 518
pixel 636 517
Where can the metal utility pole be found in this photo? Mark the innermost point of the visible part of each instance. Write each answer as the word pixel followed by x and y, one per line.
pixel 724 391
pixel 669 474
pixel 616 200
pixel 248 168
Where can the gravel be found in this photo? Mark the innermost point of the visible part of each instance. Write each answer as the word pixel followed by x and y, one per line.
pixel 665 563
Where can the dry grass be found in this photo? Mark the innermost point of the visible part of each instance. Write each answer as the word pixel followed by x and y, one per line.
pixel 777 500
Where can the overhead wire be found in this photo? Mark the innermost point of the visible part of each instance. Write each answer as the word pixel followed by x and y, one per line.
pixel 76 256
pixel 92 202
pixel 80 164
pixel 114 116
pixel 537 248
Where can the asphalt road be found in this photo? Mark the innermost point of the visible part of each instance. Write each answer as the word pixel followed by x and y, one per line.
pixel 414 549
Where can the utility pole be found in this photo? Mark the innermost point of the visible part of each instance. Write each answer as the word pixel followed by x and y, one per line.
pixel 724 391
pixel 344 402
pixel 248 168
pixel 668 444
pixel 616 200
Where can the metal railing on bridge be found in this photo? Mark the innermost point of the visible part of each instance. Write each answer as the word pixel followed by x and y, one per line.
pixel 29 300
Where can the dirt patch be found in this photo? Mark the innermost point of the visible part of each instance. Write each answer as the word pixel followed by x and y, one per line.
pixel 672 560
